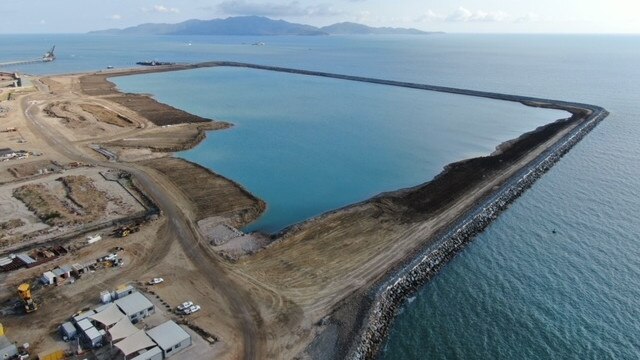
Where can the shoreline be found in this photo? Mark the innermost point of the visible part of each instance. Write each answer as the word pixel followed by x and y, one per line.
pixel 384 297
pixel 390 296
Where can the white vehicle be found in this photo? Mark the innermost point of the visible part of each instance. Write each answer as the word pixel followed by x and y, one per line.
pixel 156 281
pixel 185 305
pixel 192 309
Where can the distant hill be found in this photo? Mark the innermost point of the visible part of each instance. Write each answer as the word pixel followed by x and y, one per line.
pixel 251 25
pixel 349 28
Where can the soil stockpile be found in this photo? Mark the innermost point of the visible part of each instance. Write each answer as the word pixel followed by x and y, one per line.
pixel 210 194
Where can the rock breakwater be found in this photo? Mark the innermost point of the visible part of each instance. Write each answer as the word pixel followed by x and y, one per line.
pixel 390 296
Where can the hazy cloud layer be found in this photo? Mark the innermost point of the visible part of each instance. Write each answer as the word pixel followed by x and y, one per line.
pixel 294 8
pixel 571 16
pixel 464 15
pixel 161 9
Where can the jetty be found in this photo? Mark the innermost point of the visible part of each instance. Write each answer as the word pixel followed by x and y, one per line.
pixel 49 56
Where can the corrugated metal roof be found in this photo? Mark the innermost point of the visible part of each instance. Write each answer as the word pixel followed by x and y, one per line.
pixel 93 333
pixel 85 324
pixel 4 342
pixel 58 272
pixel 68 328
pixel 134 303
pixel 83 315
pixel 26 258
pixel 167 335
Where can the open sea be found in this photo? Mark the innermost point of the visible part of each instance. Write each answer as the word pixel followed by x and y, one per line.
pixel 519 291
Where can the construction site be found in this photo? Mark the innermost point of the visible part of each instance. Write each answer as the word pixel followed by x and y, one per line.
pixel 111 248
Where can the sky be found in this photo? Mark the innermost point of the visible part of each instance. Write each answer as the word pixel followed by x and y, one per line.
pixel 467 16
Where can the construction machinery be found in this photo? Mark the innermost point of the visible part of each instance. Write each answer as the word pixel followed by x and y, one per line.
pixel 1 330
pixel 49 55
pixel 24 290
pixel 126 230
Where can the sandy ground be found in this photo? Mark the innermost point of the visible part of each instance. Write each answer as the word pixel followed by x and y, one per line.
pixel 58 303
pixel 154 251
pixel 272 304
pixel 120 205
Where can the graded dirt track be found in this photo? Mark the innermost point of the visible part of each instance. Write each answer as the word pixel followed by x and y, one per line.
pixel 272 304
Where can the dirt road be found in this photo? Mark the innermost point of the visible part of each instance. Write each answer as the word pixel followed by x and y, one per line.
pixel 179 228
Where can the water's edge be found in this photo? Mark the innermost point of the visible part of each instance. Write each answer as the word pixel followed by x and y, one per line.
pixel 388 298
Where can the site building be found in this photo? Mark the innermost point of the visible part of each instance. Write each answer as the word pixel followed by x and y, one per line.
pixel 68 331
pixel 136 306
pixel 134 345
pixel 122 291
pixel 82 316
pixel 7 348
pixel 152 354
pixel 48 278
pixel 170 337
pixel 159 343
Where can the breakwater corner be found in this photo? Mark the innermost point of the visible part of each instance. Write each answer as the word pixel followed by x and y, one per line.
pixel 389 297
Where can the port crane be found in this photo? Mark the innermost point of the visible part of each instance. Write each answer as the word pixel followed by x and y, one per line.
pixel 49 55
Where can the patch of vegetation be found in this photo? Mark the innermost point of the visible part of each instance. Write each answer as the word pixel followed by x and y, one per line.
pixel 43 203
pixel 11 224
pixel 83 202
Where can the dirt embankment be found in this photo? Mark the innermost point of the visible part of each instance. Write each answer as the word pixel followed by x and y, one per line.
pixel 171 139
pixel 461 177
pixel 69 116
pixel 158 113
pixel 210 194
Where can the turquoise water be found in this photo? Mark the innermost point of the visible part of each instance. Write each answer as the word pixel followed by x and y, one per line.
pixel 518 291
pixel 308 145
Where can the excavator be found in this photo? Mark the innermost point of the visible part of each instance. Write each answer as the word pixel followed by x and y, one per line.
pixel 24 290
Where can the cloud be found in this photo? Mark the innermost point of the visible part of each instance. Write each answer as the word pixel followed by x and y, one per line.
pixel 162 9
pixel 430 16
pixel 115 17
pixel 530 17
pixel 294 8
pixel 463 15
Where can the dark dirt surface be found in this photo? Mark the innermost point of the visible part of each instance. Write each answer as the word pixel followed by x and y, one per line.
pixel 158 113
pixel 210 194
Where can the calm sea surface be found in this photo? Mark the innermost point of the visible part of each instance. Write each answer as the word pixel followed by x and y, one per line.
pixel 308 145
pixel 519 291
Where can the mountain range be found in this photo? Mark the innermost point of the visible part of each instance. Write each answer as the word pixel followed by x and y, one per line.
pixel 255 25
